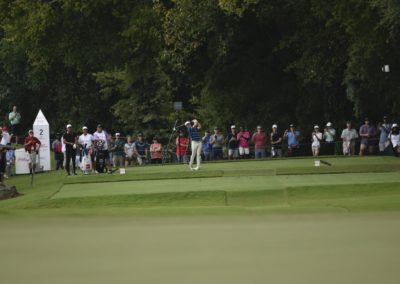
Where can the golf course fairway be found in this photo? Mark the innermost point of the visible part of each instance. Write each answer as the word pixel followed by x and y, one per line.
pixel 271 221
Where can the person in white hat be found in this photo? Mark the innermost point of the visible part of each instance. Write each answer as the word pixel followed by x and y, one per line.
pixel 394 137
pixel 316 138
pixel 276 142
pixel 233 144
pixel 85 140
pixel 329 137
pixel 70 141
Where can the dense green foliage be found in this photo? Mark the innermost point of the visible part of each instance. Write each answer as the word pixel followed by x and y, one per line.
pixel 124 62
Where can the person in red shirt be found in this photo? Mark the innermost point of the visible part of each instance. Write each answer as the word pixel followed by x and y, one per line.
pixel 260 142
pixel 182 144
pixel 32 146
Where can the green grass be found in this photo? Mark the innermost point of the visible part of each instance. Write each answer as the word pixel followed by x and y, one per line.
pixel 228 188
pixel 281 221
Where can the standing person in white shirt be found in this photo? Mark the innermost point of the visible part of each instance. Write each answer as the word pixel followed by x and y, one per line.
pixel 15 120
pixel 6 137
pixel 316 138
pixel 86 142
pixel 129 149
pixel 394 138
pixel 102 140
pixel 349 136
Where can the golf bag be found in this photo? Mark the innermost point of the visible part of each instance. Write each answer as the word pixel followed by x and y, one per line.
pixel 100 157
pixel 86 164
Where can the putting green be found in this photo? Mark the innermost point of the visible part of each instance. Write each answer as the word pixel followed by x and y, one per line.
pixel 228 184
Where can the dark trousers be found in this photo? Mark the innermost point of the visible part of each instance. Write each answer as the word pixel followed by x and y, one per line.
pixel 330 148
pixel 59 160
pixel 156 161
pixel 70 154
pixel 218 154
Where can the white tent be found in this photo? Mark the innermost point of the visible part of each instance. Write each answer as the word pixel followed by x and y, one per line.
pixel 41 130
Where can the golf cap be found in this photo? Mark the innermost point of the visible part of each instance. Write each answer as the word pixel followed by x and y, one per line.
pixel 30 131
pixel 84 128
pixel 291 125
pixel 274 126
pixel 395 125
pixel 216 128
pixel 259 127
pixel 187 122
pixel 69 125
pixel 329 124
pixel 316 126
pixel 99 126
pixel 117 134
pixel 233 126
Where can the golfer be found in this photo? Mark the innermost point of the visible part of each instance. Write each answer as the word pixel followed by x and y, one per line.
pixel 196 143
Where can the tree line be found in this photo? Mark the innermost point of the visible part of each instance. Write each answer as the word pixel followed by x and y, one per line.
pixel 123 63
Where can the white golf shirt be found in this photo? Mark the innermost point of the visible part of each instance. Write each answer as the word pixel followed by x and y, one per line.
pixel 5 139
pixel 101 136
pixel 86 140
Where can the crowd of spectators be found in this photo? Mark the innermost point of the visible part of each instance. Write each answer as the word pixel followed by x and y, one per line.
pixel 238 143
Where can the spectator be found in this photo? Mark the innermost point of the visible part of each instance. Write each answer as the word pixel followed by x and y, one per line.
pixel 85 140
pixel 330 137
pixel 32 146
pixel 102 143
pixel 292 136
pixel 6 137
pixel 394 137
pixel 367 133
pixel 182 145
pixel 217 141
pixel 233 144
pixel 15 119
pixel 70 141
pixel 276 142
pixel 141 150
pixel 384 131
pixel 58 154
pixel 316 138
pixel 156 151
pixel 260 142
pixel 244 136
pixel 349 136
pixel 3 164
pixel 193 130
pixel 129 148
pixel 10 160
pixel 118 151
pixel 207 148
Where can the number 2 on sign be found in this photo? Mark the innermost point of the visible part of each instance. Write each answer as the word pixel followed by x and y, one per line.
pixel 41 131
